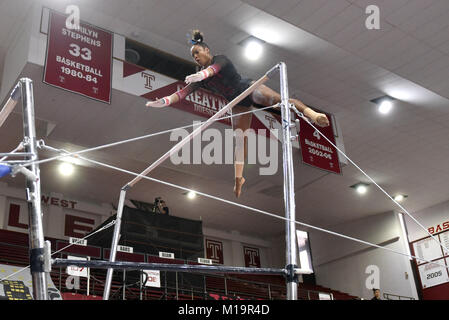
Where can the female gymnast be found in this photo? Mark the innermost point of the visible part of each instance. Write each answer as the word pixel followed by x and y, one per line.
pixel 219 75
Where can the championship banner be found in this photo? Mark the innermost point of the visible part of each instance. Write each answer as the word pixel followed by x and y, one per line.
pixel 315 150
pixel 79 60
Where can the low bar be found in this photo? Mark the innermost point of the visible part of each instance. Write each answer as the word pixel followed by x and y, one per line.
pixel 16 154
pixel 125 265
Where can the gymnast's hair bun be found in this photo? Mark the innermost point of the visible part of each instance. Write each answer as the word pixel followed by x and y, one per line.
pixel 197 37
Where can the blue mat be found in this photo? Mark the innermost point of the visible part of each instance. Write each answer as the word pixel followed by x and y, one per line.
pixel 4 170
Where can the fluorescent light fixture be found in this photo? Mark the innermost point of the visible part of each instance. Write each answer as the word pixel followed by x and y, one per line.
pixel 66 169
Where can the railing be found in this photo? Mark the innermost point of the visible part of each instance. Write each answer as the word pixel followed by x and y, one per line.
pixel 391 296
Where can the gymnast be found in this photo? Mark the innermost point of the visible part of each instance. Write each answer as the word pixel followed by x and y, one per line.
pixel 219 75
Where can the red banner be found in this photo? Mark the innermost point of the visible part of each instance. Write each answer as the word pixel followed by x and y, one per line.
pixel 317 151
pixel 79 60
pixel 214 251
pixel 252 257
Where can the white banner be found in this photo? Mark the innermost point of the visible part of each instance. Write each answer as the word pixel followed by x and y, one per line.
pixel 77 271
pixel 427 249
pixel 325 296
pixel 433 274
pixel 153 278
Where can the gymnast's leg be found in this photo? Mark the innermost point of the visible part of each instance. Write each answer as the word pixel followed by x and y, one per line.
pixel 266 96
pixel 240 125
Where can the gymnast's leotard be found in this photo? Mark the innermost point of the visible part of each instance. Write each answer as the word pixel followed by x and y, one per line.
pixel 226 82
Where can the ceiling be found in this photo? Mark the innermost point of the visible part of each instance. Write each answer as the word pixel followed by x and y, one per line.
pixel 334 64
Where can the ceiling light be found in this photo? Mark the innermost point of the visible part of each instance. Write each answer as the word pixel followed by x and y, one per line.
pixel 253 50
pixel 384 104
pixel 385 107
pixel 361 188
pixel 400 197
pixel 66 169
pixel 253 47
pixel 191 195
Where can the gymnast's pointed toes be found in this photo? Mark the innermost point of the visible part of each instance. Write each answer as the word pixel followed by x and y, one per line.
pixel 239 181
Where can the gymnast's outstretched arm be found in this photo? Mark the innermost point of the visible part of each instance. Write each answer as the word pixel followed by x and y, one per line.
pixel 175 97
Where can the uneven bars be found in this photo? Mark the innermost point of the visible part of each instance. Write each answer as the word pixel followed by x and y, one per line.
pixel 207 123
pixel 10 104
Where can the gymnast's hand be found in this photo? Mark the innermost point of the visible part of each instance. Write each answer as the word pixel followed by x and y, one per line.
pixel 196 77
pixel 159 103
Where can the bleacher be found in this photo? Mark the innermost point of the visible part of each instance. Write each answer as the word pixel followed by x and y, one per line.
pixel 14 251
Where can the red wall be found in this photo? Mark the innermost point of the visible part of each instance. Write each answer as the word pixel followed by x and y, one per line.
pixel 440 292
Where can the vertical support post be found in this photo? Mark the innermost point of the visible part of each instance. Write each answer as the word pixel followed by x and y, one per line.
pixel 33 193
pixel 124 286
pixel 115 239
pixel 289 191
pixel 88 279
pixel 177 292
pixel 225 286
pixel 140 285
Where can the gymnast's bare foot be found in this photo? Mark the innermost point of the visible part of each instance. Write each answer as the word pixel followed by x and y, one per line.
pixel 239 181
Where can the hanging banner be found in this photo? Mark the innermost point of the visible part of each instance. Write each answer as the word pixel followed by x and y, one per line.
pixel 252 257
pixel 317 151
pixel 214 250
pixel 153 278
pixel 77 271
pixel 433 274
pixel 79 60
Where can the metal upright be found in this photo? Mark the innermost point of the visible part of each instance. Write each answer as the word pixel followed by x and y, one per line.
pixel 115 240
pixel 33 194
pixel 289 187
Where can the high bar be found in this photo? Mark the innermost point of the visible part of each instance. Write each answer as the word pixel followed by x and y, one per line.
pixel 10 104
